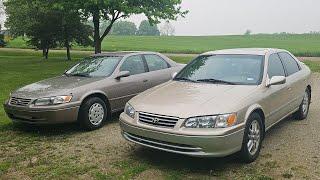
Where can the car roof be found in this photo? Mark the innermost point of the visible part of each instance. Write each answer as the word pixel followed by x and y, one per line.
pixel 251 51
pixel 122 53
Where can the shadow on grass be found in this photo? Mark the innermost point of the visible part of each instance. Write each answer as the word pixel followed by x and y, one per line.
pixel 52 130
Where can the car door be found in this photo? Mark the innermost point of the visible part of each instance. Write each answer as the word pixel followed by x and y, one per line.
pixel 159 70
pixel 276 95
pixel 128 87
pixel 296 87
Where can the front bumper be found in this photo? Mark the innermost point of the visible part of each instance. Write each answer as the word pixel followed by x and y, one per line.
pixel 193 145
pixel 42 116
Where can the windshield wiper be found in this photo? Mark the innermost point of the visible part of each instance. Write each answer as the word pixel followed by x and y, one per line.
pixel 80 75
pixel 184 79
pixel 216 81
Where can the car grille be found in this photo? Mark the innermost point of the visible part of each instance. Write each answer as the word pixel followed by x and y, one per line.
pixel 158 120
pixel 19 101
pixel 157 144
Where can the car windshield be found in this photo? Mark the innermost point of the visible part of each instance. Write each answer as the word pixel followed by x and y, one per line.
pixel 95 67
pixel 224 69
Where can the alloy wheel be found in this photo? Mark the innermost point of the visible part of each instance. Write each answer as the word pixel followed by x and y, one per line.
pixel 253 137
pixel 305 104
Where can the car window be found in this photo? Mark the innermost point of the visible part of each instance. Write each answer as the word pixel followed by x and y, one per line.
pixel 155 62
pixel 133 64
pixel 275 67
pixel 289 62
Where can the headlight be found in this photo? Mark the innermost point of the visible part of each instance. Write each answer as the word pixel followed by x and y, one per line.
pixel 129 110
pixel 218 121
pixel 52 100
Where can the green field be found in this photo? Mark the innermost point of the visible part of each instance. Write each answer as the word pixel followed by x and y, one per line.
pixel 65 152
pixel 299 44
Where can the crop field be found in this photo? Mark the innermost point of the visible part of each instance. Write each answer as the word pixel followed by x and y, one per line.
pixel 67 152
pixel 299 44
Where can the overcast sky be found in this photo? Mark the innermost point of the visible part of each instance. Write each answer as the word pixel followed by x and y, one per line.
pixel 218 17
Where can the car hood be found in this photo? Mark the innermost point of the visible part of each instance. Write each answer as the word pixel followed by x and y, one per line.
pixel 61 85
pixel 187 99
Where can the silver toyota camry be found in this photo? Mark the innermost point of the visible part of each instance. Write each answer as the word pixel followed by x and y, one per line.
pixel 221 103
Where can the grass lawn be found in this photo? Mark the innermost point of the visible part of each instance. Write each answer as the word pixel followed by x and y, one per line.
pixel 66 152
pixel 300 45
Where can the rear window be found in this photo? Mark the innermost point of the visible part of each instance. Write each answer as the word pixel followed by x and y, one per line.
pixel 290 63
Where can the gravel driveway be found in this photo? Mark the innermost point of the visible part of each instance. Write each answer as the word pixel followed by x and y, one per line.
pixel 290 150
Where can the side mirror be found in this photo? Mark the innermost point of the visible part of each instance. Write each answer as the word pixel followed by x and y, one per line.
pixel 122 74
pixel 276 80
pixel 173 75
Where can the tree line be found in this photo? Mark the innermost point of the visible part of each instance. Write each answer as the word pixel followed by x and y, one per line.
pixel 60 23
pixel 127 28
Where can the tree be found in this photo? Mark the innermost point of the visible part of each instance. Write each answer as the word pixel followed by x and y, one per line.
pixel 147 29
pixel 72 28
pixel 113 10
pixel 167 29
pixel 35 20
pixel 248 32
pixel 124 28
pixel 47 24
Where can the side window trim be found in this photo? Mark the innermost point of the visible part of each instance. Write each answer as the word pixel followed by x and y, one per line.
pixel 283 66
pixel 146 67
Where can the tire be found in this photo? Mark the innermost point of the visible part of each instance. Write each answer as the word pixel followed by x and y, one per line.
pixel 304 107
pixel 92 114
pixel 252 139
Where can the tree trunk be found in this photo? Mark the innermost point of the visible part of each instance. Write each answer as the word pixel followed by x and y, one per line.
pixel 97 46
pixel 68 52
pixel 96 36
pixel 43 52
pixel 67 45
pixel 46 53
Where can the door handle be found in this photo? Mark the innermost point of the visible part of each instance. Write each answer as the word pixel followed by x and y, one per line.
pixel 146 80
pixel 289 88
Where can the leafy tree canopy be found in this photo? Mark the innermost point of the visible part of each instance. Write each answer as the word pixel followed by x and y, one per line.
pixel 112 10
pixel 47 24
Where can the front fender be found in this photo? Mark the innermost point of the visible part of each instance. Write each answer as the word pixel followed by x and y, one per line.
pixel 85 95
pixel 251 109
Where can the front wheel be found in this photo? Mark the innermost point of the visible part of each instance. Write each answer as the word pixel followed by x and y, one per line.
pixel 252 139
pixel 93 113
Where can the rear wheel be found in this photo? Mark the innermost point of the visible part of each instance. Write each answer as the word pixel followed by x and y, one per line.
pixel 93 113
pixel 252 139
pixel 303 110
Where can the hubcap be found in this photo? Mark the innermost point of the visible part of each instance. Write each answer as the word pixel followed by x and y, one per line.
pixel 254 137
pixel 96 114
pixel 305 104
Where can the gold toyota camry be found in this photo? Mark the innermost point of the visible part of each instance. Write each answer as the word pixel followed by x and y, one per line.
pixel 221 103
